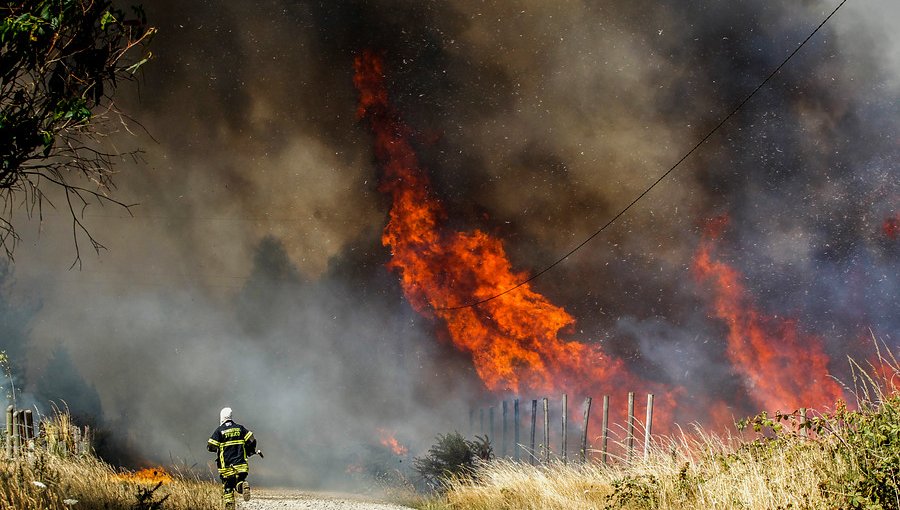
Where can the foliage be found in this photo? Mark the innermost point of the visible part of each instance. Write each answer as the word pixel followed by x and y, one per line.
pixel 873 447
pixel 452 456
pixel 60 64
pixel 866 440
pixel 634 492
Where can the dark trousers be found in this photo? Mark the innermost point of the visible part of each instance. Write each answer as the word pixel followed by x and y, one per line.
pixel 230 482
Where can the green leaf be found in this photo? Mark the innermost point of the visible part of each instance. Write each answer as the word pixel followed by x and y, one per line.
pixel 107 19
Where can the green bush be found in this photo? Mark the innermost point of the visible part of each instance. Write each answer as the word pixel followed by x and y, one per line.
pixel 866 441
pixel 637 492
pixel 452 456
pixel 872 447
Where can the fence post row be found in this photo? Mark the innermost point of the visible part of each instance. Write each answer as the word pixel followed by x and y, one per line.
pixel 21 436
pixel 15 424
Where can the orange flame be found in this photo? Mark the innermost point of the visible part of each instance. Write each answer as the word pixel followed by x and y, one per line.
pixel 388 440
pixel 149 476
pixel 513 339
pixel 782 368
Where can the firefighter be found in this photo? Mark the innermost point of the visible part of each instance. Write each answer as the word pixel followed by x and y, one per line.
pixel 233 444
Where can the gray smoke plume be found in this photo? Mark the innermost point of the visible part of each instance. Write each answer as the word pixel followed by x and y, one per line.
pixel 252 274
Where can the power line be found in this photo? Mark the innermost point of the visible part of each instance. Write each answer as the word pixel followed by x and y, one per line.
pixel 658 180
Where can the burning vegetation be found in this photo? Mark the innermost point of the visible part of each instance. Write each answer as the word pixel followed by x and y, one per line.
pixel 516 339
pixel 148 476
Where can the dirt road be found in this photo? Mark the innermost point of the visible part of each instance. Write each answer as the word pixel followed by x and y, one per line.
pixel 286 499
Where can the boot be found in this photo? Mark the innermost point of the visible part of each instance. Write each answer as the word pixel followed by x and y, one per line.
pixel 244 489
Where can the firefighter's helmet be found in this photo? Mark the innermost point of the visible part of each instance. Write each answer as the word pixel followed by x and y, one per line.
pixel 224 415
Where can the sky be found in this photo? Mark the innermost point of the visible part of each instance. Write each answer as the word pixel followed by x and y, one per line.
pixel 252 273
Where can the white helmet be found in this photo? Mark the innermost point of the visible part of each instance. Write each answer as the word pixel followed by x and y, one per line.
pixel 224 415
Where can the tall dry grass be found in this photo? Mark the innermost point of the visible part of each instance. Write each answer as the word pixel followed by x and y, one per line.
pixel 52 475
pixel 702 471
pixel 44 481
pixel 844 459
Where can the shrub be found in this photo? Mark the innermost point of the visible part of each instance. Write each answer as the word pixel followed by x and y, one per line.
pixel 452 456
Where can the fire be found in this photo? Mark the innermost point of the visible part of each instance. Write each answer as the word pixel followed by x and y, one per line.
pixel 388 440
pixel 149 476
pixel 782 368
pixel 514 340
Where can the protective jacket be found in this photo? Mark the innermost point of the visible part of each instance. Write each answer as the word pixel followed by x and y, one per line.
pixel 234 444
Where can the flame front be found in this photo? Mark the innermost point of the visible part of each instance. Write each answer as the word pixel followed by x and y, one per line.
pixel 151 475
pixel 782 368
pixel 513 339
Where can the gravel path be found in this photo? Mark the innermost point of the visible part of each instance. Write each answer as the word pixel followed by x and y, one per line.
pixel 287 499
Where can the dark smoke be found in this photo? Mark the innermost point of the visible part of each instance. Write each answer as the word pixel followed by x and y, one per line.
pixel 253 274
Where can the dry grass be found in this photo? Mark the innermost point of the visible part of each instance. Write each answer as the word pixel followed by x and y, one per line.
pixel 708 472
pixel 44 481
pixel 850 460
pixel 52 475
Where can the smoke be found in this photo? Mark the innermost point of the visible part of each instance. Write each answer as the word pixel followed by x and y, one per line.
pixel 252 274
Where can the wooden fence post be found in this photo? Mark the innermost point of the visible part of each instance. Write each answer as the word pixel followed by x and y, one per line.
pixel 19 428
pixel 546 430
pixel 648 426
pixel 629 438
pixel 565 426
pixel 28 428
pixel 533 424
pixel 503 440
pixel 491 429
pixel 605 426
pixel 9 432
pixel 804 432
pixel 584 428
pixel 516 429
pixel 88 439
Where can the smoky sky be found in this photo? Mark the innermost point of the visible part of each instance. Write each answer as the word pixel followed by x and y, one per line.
pixel 252 273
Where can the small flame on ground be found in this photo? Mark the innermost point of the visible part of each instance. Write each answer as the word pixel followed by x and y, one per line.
pixel 151 475
pixel 389 440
